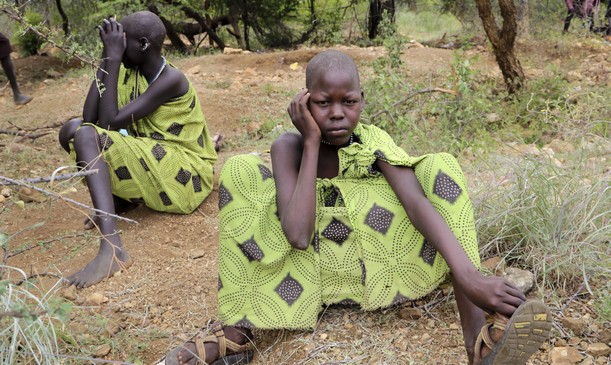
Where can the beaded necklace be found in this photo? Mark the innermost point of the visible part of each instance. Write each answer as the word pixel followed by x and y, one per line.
pixel 324 141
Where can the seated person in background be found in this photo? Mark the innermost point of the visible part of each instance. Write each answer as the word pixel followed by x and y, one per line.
pixel 144 131
pixel 348 217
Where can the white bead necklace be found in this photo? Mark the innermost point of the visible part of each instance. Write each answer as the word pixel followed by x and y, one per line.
pixel 324 141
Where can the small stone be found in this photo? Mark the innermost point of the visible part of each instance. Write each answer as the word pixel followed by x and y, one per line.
pixel 577 325
pixel 495 264
pixel 564 356
pixel 522 279
pixel 102 350
pixel 323 336
pixel 6 192
pixel 69 293
pixel 197 254
pixel 112 328
pixel 229 50
pixel 425 337
pixel 30 195
pixel 95 299
pixel 410 313
pixel 599 349
pixel 2 199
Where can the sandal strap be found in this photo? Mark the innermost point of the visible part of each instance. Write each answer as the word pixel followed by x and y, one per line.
pixel 500 322
pixel 218 337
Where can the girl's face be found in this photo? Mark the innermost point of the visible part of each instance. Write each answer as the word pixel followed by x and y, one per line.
pixel 336 102
pixel 133 55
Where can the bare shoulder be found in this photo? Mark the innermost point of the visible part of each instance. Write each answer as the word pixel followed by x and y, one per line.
pixel 174 82
pixel 287 148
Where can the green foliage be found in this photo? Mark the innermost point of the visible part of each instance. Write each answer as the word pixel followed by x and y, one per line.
pixel 28 320
pixel 28 41
pixel 550 217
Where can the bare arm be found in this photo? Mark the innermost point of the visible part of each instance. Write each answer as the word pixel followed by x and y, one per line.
pixel 170 83
pixel 489 293
pixel 295 165
pixel 90 108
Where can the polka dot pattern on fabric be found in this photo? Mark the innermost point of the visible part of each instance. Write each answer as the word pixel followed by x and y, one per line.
pixel 428 253
pixel 175 129
pixel 165 198
pixel 244 323
pixel 446 188
pixel 197 183
pixel 399 298
pixel 251 250
pixel 379 218
pixel 158 152
pixel 183 176
pixel 105 141
pixel 265 172
pixel 337 231
pixel 289 289
pixel 158 136
pixel 123 173
pixel 224 196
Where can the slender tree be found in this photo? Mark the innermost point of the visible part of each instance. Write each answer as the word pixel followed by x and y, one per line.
pixel 503 41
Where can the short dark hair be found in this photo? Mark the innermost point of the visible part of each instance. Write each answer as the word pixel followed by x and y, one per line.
pixel 146 24
pixel 330 61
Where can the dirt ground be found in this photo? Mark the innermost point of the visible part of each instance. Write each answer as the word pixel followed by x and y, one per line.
pixel 170 290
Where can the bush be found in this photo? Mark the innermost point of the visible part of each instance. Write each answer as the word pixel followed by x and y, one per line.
pixel 28 316
pixel 28 41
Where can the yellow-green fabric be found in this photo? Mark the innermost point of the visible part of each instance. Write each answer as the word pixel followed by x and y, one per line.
pixel 364 249
pixel 167 159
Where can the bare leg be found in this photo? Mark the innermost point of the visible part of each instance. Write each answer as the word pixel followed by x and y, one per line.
pixel 472 319
pixel 111 256
pixel 18 97
pixel 188 352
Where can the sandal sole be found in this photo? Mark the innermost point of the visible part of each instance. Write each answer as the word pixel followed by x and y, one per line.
pixel 527 329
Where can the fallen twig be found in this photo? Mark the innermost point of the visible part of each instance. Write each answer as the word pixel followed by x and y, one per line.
pixel 52 126
pixel 406 98
pixel 50 193
pixel 35 180
pixel 41 244
pixel 19 314
pixel 24 134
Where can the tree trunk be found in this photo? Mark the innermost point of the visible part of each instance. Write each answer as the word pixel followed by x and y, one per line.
pixel 503 41
pixel 65 23
pixel 524 17
pixel 191 13
pixel 171 32
pixel 377 8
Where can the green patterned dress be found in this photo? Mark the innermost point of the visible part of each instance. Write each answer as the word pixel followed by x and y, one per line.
pixel 364 249
pixel 167 159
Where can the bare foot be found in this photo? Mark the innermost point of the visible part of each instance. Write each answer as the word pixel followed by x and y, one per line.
pixel 121 207
pixel 91 222
pixel 187 353
pixel 111 258
pixel 22 99
pixel 218 141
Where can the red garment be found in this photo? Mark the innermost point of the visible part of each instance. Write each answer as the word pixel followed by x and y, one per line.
pixel 583 8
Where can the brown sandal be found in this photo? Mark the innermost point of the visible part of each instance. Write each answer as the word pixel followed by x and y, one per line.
pixel 523 334
pixel 241 354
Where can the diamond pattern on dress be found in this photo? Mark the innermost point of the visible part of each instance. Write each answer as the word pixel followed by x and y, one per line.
pixel 158 136
pixel 244 323
pixel 105 141
pixel 289 289
pixel 428 253
pixel 197 183
pixel 251 250
pixel 446 188
pixel 399 298
pixel 192 103
pixel 175 128
pixel 265 172
pixel 158 152
pixel 379 218
pixel 165 198
pixel 363 271
pixel 219 284
pixel 123 173
pixel 380 155
pixel 224 196
pixel 200 141
pixel 144 165
pixel 331 198
pixel 316 242
pixel 183 176
pixel 336 231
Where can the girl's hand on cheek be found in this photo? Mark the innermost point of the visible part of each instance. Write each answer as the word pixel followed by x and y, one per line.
pixel 113 38
pixel 302 118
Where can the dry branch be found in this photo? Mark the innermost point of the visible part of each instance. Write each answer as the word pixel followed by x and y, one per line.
pixel 56 195
pixel 35 180
pixel 24 134
pixel 406 98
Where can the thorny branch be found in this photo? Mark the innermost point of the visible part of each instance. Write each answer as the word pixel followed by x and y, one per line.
pixel 406 98
pixel 60 177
